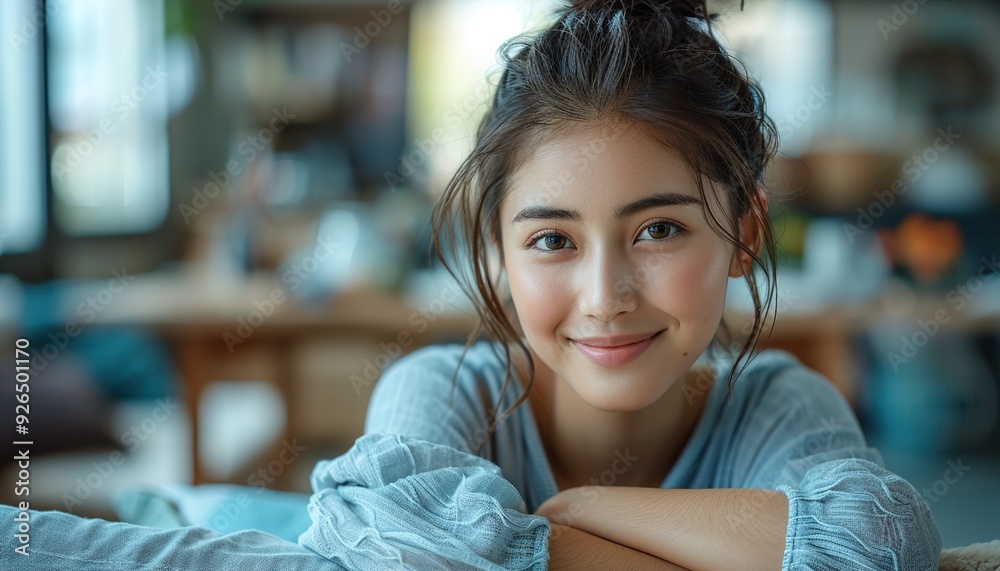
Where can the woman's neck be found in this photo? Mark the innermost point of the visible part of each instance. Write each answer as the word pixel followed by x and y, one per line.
pixel 586 445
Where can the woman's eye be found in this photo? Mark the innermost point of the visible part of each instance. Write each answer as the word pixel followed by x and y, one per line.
pixel 551 242
pixel 662 230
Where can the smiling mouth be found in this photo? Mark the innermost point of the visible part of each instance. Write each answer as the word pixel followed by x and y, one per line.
pixel 615 356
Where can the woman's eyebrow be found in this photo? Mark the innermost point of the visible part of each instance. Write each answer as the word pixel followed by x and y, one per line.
pixel 538 212
pixel 660 199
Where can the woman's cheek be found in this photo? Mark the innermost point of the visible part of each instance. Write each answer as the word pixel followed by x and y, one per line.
pixel 691 287
pixel 538 296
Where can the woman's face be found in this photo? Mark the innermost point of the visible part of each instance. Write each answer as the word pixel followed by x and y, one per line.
pixel 604 235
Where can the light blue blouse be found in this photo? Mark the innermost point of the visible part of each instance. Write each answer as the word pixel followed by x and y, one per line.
pixel 784 428
pixel 410 493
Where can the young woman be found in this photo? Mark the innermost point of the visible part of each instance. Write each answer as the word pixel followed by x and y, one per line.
pixel 605 423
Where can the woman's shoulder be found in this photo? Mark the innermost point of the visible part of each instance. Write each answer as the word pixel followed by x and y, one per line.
pixel 776 375
pixel 782 409
pixel 778 371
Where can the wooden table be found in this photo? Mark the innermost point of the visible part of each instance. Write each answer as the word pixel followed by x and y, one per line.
pixel 201 317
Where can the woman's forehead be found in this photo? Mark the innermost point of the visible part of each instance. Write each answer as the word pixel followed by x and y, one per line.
pixel 591 166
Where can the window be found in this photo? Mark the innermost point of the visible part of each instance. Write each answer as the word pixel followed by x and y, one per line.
pixel 788 47
pixel 22 125
pixel 108 89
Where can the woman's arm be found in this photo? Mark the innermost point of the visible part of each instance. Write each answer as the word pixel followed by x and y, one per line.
pixel 64 542
pixel 699 529
pixel 795 437
pixel 573 549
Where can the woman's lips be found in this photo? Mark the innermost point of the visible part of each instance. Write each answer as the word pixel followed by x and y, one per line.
pixel 614 356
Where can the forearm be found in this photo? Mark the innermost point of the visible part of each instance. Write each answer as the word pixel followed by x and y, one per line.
pixel 571 548
pixel 700 529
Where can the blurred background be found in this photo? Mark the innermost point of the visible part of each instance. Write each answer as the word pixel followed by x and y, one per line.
pixel 214 226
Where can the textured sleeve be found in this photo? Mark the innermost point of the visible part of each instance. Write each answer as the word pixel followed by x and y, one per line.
pixel 393 502
pixel 845 510
pixel 854 514
pixel 411 494
pixel 57 541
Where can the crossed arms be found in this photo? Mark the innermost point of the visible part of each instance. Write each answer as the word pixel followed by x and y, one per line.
pixel 652 528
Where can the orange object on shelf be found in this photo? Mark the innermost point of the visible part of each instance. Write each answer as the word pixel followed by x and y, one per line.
pixel 926 247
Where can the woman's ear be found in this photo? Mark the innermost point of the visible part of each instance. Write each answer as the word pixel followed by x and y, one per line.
pixel 751 234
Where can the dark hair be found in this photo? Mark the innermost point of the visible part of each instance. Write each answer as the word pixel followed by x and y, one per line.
pixel 653 63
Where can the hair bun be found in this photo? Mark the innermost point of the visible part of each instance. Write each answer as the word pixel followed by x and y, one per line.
pixel 697 9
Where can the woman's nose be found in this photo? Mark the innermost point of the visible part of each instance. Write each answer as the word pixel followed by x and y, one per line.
pixel 607 290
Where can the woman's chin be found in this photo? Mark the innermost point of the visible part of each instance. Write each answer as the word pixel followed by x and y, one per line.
pixel 621 399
